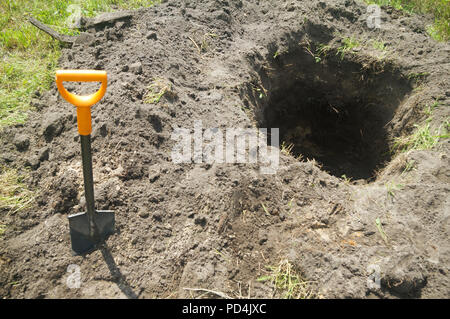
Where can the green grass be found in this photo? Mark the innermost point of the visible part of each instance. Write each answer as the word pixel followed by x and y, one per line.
pixel 381 230
pixel 261 93
pixel 21 76
pixel 392 187
pixel 409 166
pixel 14 195
pixel 423 138
pixel 379 45
pixel 2 229
pixel 29 56
pixel 287 282
pixel 418 76
pixel 346 179
pixel 440 30
pixel 157 89
pixel 322 50
pixel 430 108
pixel 348 44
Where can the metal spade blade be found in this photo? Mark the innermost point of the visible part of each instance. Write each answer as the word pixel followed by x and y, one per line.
pixel 82 241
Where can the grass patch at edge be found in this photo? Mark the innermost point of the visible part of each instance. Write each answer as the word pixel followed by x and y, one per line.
pixel 29 56
pixel 14 194
pixel 440 30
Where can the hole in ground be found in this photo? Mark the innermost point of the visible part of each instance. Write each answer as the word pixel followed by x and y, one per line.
pixel 334 111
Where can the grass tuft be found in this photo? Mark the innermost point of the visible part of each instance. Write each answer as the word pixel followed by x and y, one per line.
pixel 348 44
pixel 379 45
pixel 14 195
pixel 423 138
pixel 440 30
pixel 157 90
pixel 287 282
pixel 393 187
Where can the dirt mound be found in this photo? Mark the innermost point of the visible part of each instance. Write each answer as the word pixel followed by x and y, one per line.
pixel 244 64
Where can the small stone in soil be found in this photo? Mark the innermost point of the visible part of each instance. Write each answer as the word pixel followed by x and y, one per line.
pixel 143 214
pixel 136 68
pixel 152 35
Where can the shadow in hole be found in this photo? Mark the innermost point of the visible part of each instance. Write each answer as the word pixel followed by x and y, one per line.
pixel 117 275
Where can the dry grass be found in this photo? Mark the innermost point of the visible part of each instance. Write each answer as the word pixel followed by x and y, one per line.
pixel 157 90
pixel 14 195
pixel 440 30
pixel 287 282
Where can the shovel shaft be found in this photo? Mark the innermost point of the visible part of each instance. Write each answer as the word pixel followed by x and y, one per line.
pixel 86 156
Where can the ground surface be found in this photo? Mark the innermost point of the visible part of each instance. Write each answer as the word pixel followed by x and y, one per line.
pixel 205 226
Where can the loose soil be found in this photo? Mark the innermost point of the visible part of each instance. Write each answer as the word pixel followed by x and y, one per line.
pixel 254 64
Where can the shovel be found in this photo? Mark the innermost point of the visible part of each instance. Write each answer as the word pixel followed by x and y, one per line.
pixel 87 229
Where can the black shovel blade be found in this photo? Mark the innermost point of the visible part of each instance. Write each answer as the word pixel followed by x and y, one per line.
pixel 82 242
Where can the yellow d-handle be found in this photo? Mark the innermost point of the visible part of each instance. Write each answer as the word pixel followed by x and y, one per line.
pixel 83 103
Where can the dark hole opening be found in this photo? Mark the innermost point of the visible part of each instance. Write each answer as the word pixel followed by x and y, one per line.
pixel 335 112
